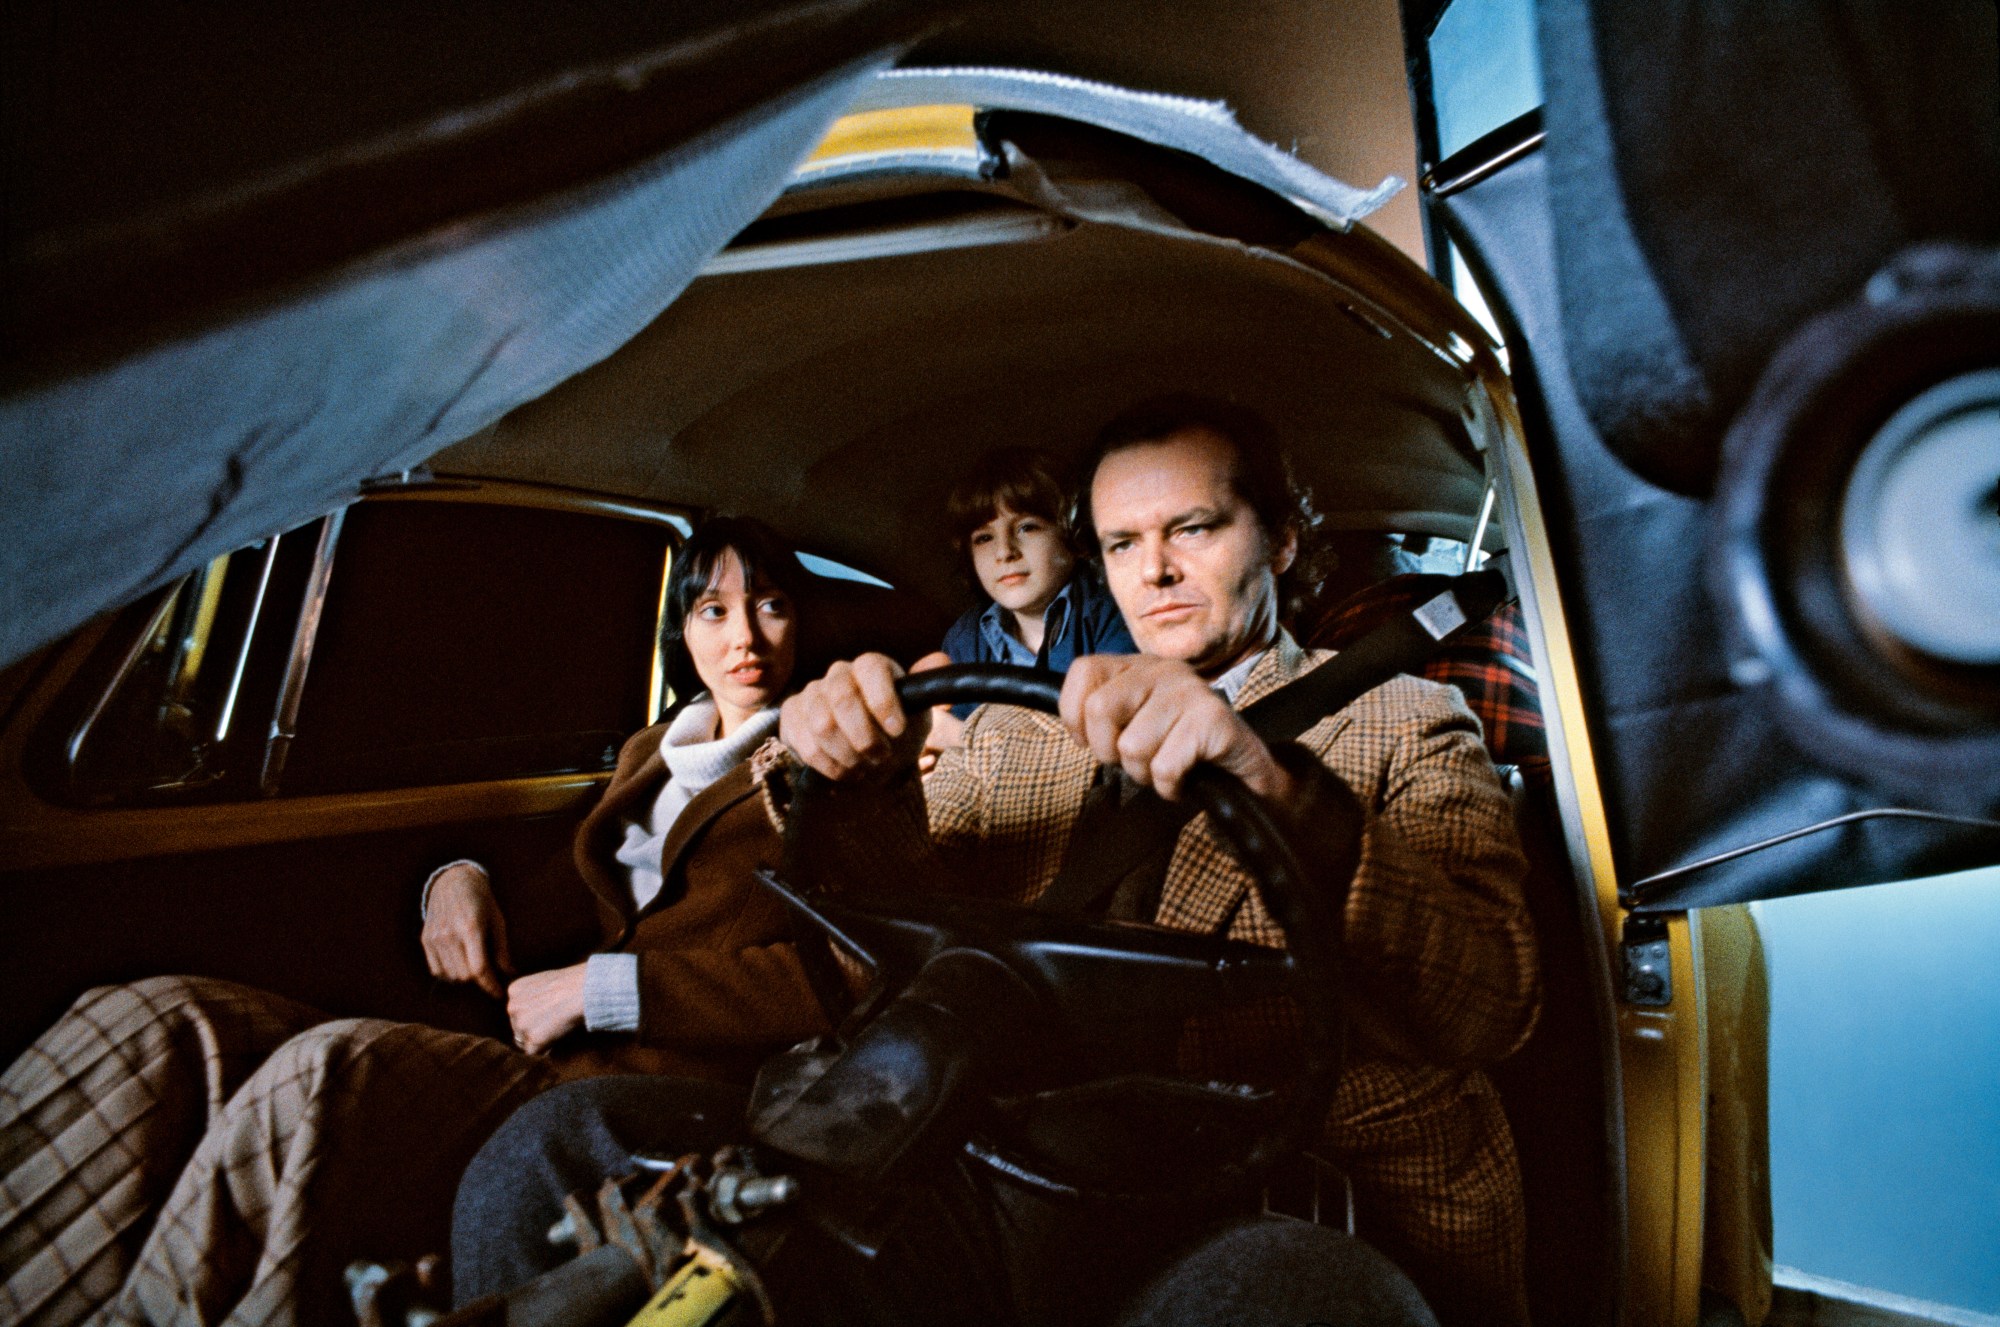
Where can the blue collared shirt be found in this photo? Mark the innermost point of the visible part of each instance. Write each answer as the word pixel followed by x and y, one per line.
pixel 1082 619
pixel 1000 643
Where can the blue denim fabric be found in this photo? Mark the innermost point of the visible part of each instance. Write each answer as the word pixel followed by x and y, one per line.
pixel 1082 619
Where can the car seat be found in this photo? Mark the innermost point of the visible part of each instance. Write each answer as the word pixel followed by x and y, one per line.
pixel 1556 1088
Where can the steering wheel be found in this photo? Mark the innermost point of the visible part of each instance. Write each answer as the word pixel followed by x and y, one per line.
pixel 968 994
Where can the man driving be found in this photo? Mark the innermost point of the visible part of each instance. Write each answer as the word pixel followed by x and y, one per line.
pixel 1198 524
pixel 1193 511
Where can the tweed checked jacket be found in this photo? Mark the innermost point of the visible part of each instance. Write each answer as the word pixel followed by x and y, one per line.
pixel 1437 934
pixel 1439 948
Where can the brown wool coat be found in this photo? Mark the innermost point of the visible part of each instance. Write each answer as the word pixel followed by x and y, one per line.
pixel 720 982
pixel 186 1149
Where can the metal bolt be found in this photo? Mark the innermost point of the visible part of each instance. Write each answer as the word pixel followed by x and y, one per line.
pixel 767 1192
pixel 736 1197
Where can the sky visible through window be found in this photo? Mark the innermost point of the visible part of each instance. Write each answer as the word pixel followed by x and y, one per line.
pixel 1885 1013
pixel 1483 73
pixel 839 571
pixel 1885 1086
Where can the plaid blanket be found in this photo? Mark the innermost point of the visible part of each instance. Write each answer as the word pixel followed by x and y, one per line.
pixel 185 1150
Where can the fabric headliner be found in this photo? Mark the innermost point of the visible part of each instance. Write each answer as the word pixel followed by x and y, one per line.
pixel 842 401
pixel 1208 129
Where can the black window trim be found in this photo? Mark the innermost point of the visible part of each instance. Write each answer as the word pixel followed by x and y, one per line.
pixel 72 748
pixel 1440 178
pixel 420 486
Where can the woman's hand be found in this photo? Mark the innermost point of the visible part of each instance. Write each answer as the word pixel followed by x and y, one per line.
pixel 465 937
pixel 545 1007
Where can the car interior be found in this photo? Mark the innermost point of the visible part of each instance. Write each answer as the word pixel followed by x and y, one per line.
pixel 832 372
pixel 366 365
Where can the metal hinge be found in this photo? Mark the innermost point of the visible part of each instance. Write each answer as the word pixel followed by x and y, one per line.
pixel 1646 966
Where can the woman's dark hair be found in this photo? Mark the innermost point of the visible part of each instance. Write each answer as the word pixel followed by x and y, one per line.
pixel 1262 477
pixel 765 556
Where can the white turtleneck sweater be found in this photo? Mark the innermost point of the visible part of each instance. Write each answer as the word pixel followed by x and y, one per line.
pixel 695 760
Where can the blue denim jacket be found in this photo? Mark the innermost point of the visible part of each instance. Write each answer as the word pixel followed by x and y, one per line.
pixel 1082 619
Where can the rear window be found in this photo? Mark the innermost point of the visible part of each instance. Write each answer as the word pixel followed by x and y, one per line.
pixel 400 644
pixel 176 704
pixel 462 642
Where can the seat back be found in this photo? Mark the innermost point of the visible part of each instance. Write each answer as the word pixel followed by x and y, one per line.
pixel 848 618
pixel 1489 662
pixel 1556 1088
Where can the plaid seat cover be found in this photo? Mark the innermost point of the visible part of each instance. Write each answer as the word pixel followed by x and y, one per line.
pixel 1489 662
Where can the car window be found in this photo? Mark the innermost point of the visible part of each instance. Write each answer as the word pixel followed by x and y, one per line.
pixel 1438 555
pixel 398 644
pixel 464 641
pixel 1484 68
pixel 839 571
pixel 175 704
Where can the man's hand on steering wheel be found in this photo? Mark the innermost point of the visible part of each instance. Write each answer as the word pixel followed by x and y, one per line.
pixel 1156 719
pixel 850 724
pixel 1019 984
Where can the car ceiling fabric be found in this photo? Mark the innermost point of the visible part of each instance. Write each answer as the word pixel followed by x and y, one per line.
pixel 842 401
pixel 1206 129
pixel 129 474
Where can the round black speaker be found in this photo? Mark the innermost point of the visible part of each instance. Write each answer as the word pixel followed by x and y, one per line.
pixel 1857 535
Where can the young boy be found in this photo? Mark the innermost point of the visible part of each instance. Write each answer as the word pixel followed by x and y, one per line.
pixel 1042 608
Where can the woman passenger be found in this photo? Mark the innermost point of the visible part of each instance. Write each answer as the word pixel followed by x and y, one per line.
pixel 189 1149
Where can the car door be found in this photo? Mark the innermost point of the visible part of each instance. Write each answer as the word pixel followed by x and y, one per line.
pixel 1763 731
pixel 250 774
